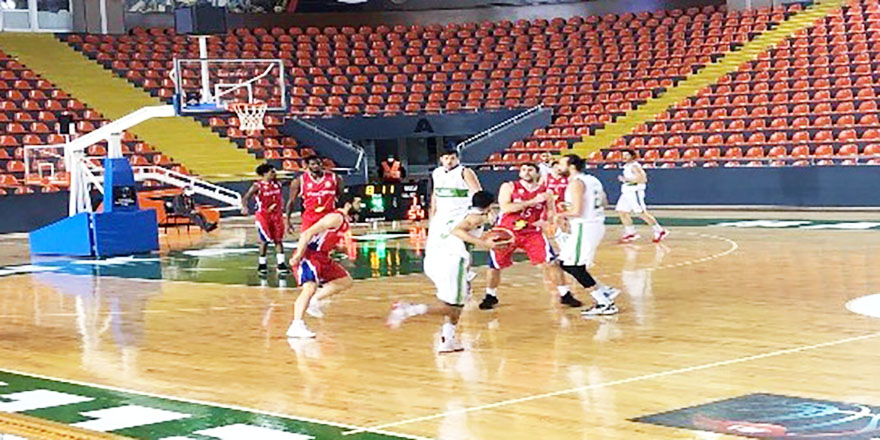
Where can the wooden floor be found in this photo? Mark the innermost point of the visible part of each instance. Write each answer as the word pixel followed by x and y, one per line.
pixel 712 314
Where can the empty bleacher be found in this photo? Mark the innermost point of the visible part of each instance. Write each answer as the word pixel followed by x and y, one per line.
pixel 812 100
pixel 29 109
pixel 589 70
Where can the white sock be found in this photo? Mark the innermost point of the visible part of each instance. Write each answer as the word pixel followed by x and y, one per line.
pixel 563 290
pixel 600 298
pixel 657 228
pixel 299 323
pixel 629 230
pixel 447 330
pixel 279 258
pixel 491 291
pixel 262 260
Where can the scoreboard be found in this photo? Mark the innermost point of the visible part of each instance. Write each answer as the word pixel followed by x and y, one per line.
pixel 392 201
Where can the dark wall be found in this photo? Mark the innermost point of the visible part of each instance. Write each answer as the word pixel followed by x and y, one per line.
pixel 27 212
pixel 494 13
pixel 794 186
pixel 411 126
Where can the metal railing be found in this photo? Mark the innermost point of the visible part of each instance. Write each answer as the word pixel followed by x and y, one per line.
pixel 360 163
pixel 496 128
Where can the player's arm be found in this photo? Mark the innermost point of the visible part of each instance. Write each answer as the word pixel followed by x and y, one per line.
pixel 247 198
pixel 340 186
pixel 471 180
pixel 505 194
pixel 576 190
pixel 471 222
pixel 327 222
pixel 292 195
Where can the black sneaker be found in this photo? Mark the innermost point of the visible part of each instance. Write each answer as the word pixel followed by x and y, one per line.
pixel 489 302
pixel 262 269
pixel 282 268
pixel 569 300
pixel 210 227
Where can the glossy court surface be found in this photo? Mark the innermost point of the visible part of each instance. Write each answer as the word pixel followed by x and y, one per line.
pixel 190 344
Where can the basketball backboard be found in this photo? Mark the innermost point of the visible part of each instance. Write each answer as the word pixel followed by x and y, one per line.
pixel 211 85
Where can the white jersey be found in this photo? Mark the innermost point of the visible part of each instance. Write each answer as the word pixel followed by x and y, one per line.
pixel 629 174
pixel 451 193
pixel 441 240
pixel 592 209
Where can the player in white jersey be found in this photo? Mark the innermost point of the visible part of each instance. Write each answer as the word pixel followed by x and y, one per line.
pixel 447 262
pixel 582 226
pixel 632 200
pixel 453 186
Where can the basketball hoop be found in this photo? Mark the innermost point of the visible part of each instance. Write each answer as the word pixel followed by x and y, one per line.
pixel 250 115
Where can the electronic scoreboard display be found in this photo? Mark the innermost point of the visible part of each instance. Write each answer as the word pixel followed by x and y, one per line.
pixel 392 201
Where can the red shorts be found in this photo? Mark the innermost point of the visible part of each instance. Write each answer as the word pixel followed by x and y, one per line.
pixel 533 242
pixel 270 226
pixel 311 217
pixel 318 267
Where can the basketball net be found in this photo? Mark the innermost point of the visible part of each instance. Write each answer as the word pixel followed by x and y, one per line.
pixel 250 115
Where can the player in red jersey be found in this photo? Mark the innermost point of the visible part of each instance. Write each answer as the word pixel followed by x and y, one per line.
pixel 523 203
pixel 556 183
pixel 316 272
pixel 269 216
pixel 318 189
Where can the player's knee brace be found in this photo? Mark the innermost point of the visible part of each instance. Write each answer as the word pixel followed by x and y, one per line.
pixel 581 275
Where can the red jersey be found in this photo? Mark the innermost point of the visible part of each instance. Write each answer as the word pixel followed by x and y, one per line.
pixel 326 241
pixel 525 219
pixel 269 197
pixel 557 186
pixel 319 196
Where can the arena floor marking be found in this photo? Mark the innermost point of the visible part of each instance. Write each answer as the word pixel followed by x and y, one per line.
pixel 634 379
pixel 293 418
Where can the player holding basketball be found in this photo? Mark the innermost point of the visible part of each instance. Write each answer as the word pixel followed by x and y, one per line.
pixel 447 262
pixel 522 209
pixel 319 276
pixel 633 181
pixel 582 224
pixel 269 216
pixel 319 190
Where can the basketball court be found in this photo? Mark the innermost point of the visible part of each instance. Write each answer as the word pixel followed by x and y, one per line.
pixel 189 344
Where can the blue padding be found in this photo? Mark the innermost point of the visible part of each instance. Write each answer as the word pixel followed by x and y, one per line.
pixel 125 233
pixel 119 186
pixel 68 236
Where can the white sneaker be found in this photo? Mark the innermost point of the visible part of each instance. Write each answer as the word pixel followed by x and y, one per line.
pixel 400 311
pixel 449 345
pixel 601 310
pixel 660 235
pixel 298 329
pixel 314 309
pixel 629 238
pixel 471 275
pixel 610 292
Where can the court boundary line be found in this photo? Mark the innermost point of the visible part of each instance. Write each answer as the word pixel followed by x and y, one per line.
pixel 214 404
pixel 629 380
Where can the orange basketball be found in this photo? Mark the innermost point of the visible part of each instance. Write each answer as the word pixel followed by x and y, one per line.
pixel 499 234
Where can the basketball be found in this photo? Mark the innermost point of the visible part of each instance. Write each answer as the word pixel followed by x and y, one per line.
pixel 499 234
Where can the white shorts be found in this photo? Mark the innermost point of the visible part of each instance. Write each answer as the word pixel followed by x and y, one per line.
pixel 631 201
pixel 449 272
pixel 578 246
